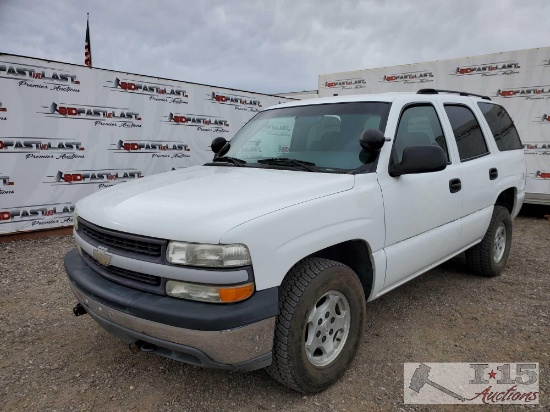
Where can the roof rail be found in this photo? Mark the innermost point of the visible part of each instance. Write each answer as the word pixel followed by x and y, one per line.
pixel 437 91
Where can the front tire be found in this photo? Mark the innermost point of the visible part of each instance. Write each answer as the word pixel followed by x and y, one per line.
pixel 489 257
pixel 319 328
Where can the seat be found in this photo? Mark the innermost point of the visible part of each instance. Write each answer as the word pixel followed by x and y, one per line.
pixel 329 141
pixel 417 139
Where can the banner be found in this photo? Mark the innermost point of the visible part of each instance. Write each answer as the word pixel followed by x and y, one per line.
pixel 67 131
pixel 517 80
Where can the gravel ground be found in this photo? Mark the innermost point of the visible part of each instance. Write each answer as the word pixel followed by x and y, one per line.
pixel 50 360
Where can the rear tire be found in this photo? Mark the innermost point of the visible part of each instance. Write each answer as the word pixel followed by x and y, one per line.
pixel 489 257
pixel 319 328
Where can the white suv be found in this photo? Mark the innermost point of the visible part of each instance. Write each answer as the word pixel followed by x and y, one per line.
pixel 265 256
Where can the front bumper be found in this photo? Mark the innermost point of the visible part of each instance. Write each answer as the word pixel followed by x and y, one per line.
pixel 234 336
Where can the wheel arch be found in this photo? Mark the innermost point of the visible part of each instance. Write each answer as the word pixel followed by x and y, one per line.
pixel 507 199
pixel 357 255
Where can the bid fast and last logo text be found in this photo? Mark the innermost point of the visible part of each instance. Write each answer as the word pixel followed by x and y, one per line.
pixel 158 92
pixel 38 215
pixel 173 149
pixel 40 77
pixel 41 148
pixel 100 115
pixel 102 177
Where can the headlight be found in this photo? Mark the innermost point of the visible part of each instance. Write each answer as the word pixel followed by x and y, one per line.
pixel 207 293
pixel 214 256
pixel 75 221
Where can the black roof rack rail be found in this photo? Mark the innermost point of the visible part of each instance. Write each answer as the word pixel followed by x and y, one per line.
pixel 437 91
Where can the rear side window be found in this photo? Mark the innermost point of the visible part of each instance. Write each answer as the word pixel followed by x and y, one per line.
pixel 501 126
pixel 469 138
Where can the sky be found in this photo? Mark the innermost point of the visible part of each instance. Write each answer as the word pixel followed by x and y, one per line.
pixel 267 46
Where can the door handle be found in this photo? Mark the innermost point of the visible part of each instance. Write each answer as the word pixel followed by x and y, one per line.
pixel 493 173
pixel 455 185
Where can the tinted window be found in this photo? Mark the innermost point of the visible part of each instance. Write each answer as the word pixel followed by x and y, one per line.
pixel 419 126
pixel 468 135
pixel 501 125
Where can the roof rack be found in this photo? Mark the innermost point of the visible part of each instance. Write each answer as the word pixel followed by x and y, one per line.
pixel 437 91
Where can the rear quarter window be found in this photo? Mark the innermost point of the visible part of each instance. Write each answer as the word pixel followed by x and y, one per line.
pixel 502 126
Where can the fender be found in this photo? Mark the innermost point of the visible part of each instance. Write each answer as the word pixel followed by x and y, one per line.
pixel 354 214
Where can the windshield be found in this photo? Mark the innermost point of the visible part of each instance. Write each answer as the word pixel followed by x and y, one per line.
pixel 326 135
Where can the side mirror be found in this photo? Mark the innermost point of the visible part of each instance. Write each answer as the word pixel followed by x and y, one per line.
pixel 372 140
pixel 420 159
pixel 219 146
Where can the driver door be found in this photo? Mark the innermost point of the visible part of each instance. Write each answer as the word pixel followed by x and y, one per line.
pixel 421 210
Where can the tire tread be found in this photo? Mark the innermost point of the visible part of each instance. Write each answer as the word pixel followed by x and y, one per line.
pixel 478 257
pixel 291 290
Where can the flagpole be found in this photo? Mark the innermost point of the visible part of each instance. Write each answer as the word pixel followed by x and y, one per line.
pixel 88 44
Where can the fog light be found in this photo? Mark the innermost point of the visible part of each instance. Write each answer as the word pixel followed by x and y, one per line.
pixel 209 293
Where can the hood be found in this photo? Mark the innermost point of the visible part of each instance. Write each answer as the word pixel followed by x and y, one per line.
pixel 201 203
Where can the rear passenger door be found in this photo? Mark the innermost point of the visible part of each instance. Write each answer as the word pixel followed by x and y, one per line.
pixel 478 168
pixel 419 208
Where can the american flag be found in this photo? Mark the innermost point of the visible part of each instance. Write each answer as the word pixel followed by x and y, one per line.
pixel 88 46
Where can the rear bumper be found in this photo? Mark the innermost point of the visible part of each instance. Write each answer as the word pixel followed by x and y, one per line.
pixel 228 336
pixel 537 198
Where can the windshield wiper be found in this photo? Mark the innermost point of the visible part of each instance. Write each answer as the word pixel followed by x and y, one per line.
pixel 286 161
pixel 227 159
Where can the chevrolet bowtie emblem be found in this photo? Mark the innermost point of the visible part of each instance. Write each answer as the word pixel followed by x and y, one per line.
pixel 102 257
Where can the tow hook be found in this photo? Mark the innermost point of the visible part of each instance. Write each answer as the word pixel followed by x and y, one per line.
pixel 79 310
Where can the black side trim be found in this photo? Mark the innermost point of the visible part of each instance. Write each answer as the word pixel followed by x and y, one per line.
pixel 168 310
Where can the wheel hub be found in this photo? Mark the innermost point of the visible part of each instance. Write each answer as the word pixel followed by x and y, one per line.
pixel 500 243
pixel 327 328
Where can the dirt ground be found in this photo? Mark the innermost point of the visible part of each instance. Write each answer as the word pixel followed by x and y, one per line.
pixel 51 360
